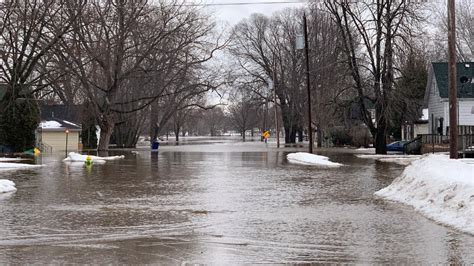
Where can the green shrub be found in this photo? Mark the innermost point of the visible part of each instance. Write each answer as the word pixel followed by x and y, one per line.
pixel 18 122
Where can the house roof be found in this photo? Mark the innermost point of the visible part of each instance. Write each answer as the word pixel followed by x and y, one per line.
pixel 61 111
pixel 463 70
pixel 58 125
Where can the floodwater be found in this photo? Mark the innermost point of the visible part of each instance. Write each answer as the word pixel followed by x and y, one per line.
pixel 216 202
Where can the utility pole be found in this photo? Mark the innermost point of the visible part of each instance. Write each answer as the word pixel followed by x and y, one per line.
pixel 275 103
pixel 262 138
pixel 453 125
pixel 308 87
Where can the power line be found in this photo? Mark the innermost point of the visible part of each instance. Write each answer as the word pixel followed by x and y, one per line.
pixel 202 4
pixel 247 3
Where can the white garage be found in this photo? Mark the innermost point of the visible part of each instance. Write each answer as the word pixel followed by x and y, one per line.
pixel 58 135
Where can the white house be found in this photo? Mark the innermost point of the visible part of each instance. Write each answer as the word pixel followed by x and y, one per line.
pixel 436 97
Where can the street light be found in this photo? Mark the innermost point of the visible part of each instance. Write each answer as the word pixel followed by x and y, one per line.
pixel 273 86
pixel 67 134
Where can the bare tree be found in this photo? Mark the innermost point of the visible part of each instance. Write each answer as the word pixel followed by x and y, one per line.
pixel 329 73
pixel 189 92
pixel 28 32
pixel 409 88
pixel 371 32
pixel 464 30
pixel 126 54
pixel 265 49
pixel 214 120
pixel 264 46
pixel 241 113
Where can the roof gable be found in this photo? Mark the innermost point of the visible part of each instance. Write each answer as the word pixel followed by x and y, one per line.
pixel 465 90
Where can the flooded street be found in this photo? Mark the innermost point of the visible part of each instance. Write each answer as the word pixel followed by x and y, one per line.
pixel 216 202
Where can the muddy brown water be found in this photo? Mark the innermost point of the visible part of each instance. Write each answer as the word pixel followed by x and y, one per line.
pixel 216 202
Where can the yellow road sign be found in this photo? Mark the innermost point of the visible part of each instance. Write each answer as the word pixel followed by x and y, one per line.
pixel 266 134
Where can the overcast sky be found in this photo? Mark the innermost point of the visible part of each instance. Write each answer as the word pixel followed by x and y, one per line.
pixel 232 14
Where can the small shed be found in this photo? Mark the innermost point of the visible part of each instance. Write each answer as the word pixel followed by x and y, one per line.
pixel 55 135
pixel 418 127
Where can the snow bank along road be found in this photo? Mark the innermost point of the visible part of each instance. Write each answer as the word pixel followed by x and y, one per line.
pixel 440 188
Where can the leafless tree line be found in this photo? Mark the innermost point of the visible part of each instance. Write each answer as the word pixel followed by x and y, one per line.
pixel 464 31
pixel 364 55
pixel 128 61
pixel 265 49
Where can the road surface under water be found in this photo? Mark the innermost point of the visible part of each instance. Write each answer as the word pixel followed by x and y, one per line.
pixel 216 202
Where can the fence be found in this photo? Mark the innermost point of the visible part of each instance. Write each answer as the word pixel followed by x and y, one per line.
pixel 441 142
pixel 434 139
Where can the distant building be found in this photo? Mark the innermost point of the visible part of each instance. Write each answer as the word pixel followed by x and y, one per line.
pixel 418 127
pixel 60 111
pixel 52 135
pixel 437 98
pixel 58 123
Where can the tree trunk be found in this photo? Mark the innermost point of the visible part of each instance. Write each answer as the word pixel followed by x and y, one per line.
pixel 177 128
pixel 300 135
pixel 243 135
pixel 380 136
pixel 107 125
pixel 106 130
pixel 319 134
pixel 154 123
pixel 290 134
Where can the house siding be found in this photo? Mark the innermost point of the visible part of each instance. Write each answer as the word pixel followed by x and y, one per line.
pixel 57 140
pixel 466 117
pixel 436 106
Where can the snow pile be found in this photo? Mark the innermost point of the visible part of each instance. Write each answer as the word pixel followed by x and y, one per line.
pixel 13 166
pixel 4 159
pixel 50 124
pixel 76 157
pixel 393 158
pixel 365 150
pixel 440 188
pixel 311 159
pixel 6 186
pixel 71 123
pixel 398 160
pixel 382 156
pixel 467 160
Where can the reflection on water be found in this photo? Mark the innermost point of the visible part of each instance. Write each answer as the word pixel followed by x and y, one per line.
pixel 226 202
